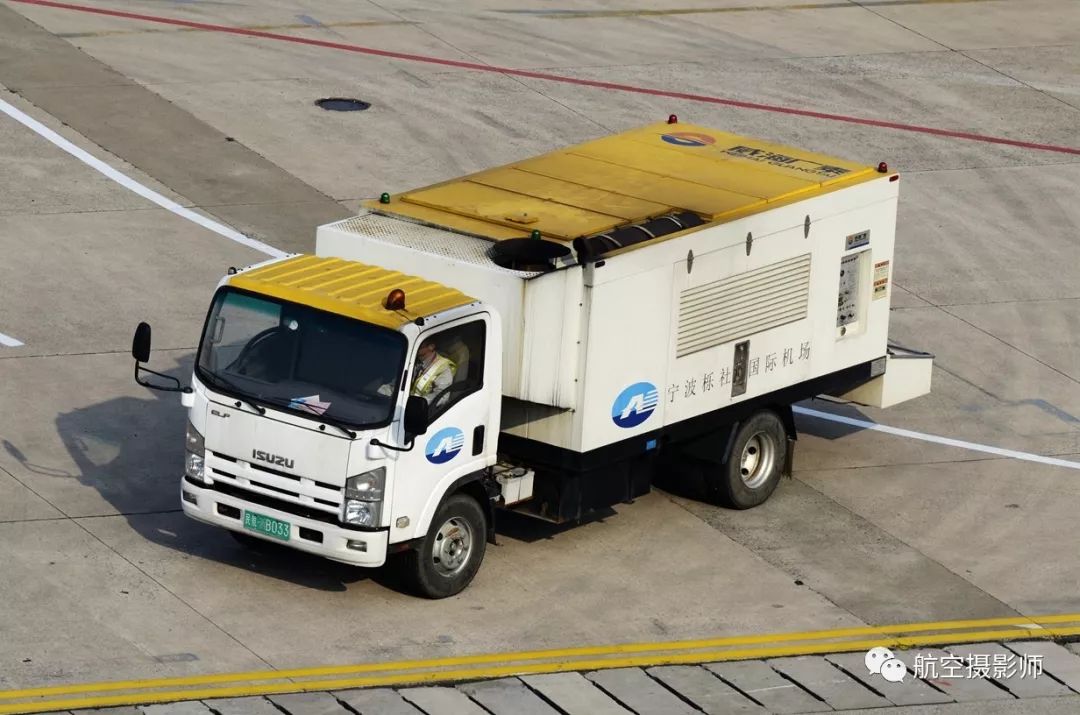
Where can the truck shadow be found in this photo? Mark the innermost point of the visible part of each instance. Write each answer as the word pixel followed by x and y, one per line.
pixel 130 450
pixel 827 429
pixel 687 478
pixel 681 478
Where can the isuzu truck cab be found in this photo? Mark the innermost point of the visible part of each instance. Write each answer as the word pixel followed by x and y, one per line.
pixel 546 337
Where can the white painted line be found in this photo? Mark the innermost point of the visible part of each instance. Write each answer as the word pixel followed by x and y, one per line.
pixel 128 183
pixel 947 441
pixel 7 340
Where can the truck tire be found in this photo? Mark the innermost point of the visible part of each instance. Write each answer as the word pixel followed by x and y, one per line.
pixel 448 558
pixel 755 464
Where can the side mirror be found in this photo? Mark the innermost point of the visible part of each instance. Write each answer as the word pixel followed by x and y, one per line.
pixel 416 423
pixel 140 345
pixel 416 416
pixel 140 350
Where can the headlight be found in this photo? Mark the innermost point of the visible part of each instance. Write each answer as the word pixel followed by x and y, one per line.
pixel 193 466
pixel 362 513
pixel 196 449
pixel 364 498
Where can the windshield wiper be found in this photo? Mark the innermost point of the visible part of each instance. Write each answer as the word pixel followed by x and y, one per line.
pixel 250 402
pixel 222 382
pixel 335 423
pixel 318 418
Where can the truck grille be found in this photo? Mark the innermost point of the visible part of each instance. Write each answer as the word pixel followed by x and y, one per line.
pixel 273 503
pixel 271 483
pixel 739 306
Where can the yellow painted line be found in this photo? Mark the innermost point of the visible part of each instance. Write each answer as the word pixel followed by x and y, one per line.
pixel 585 14
pixel 463 674
pixel 1035 625
pixel 550 654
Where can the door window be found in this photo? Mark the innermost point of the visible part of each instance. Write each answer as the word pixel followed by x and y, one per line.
pixel 449 366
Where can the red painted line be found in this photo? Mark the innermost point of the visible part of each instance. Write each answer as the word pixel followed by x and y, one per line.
pixel 557 78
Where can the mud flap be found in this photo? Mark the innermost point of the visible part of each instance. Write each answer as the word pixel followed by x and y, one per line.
pixel 789 457
pixel 787 415
pixel 493 491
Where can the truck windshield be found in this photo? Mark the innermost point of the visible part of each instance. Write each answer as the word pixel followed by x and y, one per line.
pixel 301 359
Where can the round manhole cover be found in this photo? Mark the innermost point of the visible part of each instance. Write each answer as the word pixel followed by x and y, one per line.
pixel 342 104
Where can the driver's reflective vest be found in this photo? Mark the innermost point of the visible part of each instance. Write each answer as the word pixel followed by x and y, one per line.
pixel 426 380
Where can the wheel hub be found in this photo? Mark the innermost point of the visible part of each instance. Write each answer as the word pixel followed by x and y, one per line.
pixel 757 460
pixel 453 546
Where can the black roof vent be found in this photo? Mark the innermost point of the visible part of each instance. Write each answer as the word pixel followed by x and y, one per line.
pixel 588 248
pixel 527 254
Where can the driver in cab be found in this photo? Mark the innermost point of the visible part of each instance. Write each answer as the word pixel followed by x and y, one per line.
pixel 432 374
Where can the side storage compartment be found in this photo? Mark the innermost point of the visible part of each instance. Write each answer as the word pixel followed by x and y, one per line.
pixel 566 495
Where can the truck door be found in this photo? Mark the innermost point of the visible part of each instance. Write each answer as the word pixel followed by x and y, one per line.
pixel 463 408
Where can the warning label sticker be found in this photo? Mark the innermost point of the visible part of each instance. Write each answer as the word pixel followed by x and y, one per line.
pixel 881 279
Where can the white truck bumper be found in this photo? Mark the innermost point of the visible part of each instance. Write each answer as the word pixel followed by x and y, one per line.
pixel 359 548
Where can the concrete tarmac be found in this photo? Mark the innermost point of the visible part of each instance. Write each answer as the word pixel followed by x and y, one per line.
pixel 103 577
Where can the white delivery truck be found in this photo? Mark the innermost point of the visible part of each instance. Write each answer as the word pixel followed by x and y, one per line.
pixel 543 337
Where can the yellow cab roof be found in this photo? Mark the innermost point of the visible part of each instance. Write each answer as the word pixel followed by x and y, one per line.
pixel 626 178
pixel 349 288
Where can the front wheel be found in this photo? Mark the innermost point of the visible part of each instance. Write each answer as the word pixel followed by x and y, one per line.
pixel 753 470
pixel 449 556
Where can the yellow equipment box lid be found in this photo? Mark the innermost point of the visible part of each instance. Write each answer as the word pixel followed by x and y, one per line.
pixel 349 288
pixel 627 178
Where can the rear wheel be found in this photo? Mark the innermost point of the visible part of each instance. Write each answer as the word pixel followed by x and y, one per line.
pixel 448 558
pixel 753 470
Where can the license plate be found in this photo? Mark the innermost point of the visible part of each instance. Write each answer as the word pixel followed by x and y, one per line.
pixel 267 525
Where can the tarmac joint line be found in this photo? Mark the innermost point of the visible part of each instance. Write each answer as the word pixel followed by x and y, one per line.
pixel 554 14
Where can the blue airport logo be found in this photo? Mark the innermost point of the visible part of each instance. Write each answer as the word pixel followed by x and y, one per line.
pixel 688 139
pixel 444 445
pixel 634 404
